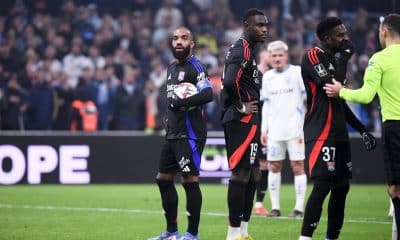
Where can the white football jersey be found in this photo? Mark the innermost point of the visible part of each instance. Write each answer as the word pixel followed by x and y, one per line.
pixel 284 95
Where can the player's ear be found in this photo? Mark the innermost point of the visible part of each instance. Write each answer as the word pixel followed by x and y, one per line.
pixel 192 44
pixel 246 25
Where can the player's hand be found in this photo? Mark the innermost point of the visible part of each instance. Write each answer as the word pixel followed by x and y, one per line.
pixel 264 138
pixel 346 50
pixel 332 89
pixel 249 107
pixel 369 141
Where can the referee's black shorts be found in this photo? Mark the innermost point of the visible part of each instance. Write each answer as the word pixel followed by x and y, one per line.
pixel 391 151
pixel 241 144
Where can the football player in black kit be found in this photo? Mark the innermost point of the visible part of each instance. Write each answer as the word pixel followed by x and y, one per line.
pixel 185 137
pixel 240 118
pixel 325 132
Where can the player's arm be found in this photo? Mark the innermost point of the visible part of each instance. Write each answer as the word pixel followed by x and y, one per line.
pixel 353 120
pixel 368 139
pixel 317 66
pixel 232 75
pixel 372 80
pixel 204 95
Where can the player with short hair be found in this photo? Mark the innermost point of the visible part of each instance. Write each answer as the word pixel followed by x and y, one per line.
pixel 325 132
pixel 382 77
pixel 282 120
pixel 185 137
pixel 240 119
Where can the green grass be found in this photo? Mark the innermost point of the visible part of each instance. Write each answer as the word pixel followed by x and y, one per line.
pixel 134 212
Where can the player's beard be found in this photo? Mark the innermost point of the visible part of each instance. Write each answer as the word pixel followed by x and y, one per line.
pixel 182 54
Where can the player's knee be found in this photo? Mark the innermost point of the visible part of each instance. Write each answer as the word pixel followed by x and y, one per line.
pixel 241 175
pixel 165 176
pixel 297 167
pixel 255 175
pixel 394 191
pixel 190 179
pixel 275 166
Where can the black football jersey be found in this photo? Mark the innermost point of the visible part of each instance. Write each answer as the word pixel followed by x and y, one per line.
pixel 189 122
pixel 326 117
pixel 244 85
pixel 325 122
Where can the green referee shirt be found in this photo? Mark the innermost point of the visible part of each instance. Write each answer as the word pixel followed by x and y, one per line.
pixel 382 76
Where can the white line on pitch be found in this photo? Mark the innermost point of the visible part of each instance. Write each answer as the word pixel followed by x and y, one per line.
pixel 63 208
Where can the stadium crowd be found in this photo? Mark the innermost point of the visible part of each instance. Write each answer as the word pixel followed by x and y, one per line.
pixel 115 53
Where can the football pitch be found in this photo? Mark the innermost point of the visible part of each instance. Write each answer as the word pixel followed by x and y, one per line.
pixel 133 212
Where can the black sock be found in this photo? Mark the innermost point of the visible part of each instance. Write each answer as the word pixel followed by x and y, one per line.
pixel 236 193
pixel 193 206
pixel 312 213
pixel 396 206
pixel 262 186
pixel 169 199
pixel 336 206
pixel 251 188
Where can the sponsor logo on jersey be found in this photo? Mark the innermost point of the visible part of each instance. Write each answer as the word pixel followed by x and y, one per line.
pixel 201 76
pixel 320 69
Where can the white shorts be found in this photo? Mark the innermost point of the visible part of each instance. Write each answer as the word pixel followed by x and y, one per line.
pixel 276 150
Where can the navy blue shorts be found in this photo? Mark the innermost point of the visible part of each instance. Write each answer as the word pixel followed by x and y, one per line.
pixel 181 155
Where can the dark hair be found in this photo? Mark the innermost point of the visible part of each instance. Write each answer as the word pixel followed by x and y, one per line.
pixel 251 12
pixel 325 26
pixel 392 22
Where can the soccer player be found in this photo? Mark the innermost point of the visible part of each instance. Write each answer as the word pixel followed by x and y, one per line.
pixel 259 209
pixel 325 133
pixel 240 119
pixel 282 120
pixel 382 77
pixel 185 137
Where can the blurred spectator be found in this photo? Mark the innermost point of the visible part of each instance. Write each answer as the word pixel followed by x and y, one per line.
pixel 168 13
pixel 14 103
pixel 129 108
pixel 74 62
pixel 101 92
pixel 42 103
pixel 64 97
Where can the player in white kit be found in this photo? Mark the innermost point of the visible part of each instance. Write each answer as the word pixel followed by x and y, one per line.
pixel 282 120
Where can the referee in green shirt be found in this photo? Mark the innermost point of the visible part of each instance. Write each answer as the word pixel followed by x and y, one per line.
pixel 382 76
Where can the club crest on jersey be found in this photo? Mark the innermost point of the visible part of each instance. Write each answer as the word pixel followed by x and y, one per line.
pixel 181 76
pixel 331 166
pixel 320 69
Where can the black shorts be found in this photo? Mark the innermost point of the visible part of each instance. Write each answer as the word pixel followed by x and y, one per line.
pixel 329 159
pixel 241 144
pixel 182 155
pixel 391 151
